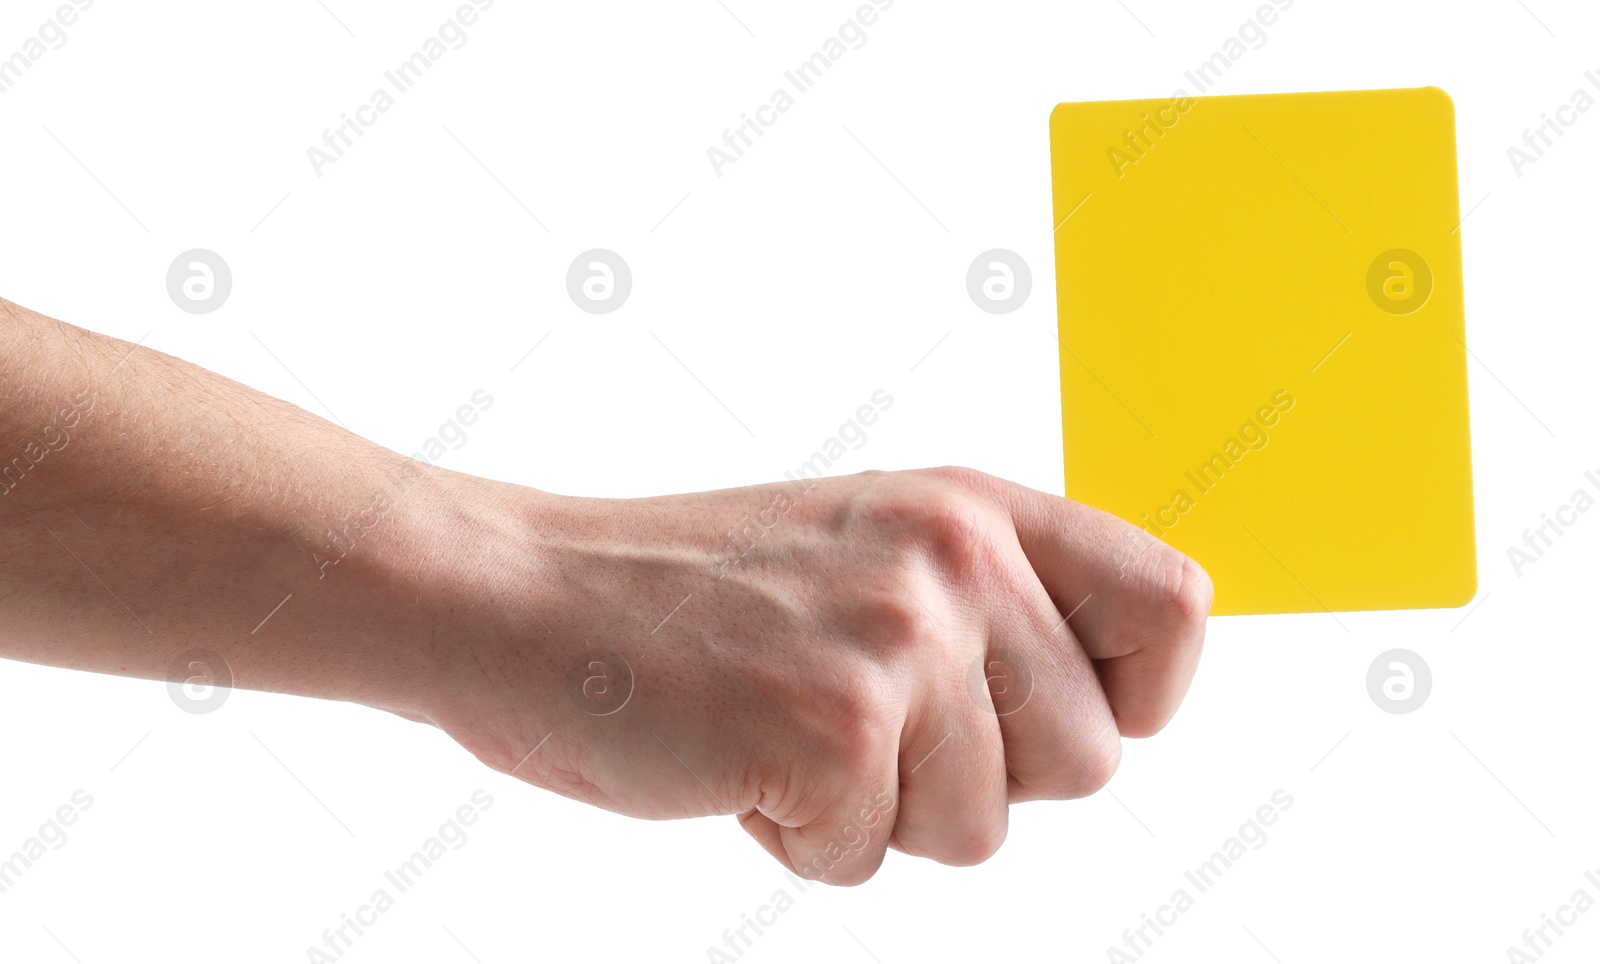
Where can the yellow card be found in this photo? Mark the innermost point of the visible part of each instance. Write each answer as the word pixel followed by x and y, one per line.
pixel 1263 349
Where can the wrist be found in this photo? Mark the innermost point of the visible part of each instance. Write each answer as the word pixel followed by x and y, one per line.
pixel 479 578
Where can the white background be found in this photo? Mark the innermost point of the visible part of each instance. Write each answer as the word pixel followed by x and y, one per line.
pixel 414 271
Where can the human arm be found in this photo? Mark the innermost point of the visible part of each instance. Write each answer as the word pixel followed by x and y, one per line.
pixel 814 676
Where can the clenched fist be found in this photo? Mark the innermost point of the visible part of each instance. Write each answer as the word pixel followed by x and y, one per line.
pixel 847 664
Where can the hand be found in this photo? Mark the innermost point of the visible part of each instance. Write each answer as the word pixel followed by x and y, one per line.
pixel 848 664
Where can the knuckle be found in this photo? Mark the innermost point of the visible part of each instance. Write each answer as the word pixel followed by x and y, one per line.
pixel 895 618
pixel 961 475
pixel 956 532
pixel 973 845
pixel 1095 768
pixel 853 722
pixel 1187 592
pixel 856 752
pixel 906 509
pixel 939 526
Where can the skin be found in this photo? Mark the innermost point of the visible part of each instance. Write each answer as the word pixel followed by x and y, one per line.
pixel 847 664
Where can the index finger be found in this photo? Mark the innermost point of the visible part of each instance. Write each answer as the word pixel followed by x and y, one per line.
pixel 1137 605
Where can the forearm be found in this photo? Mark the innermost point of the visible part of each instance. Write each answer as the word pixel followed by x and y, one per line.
pixel 150 507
